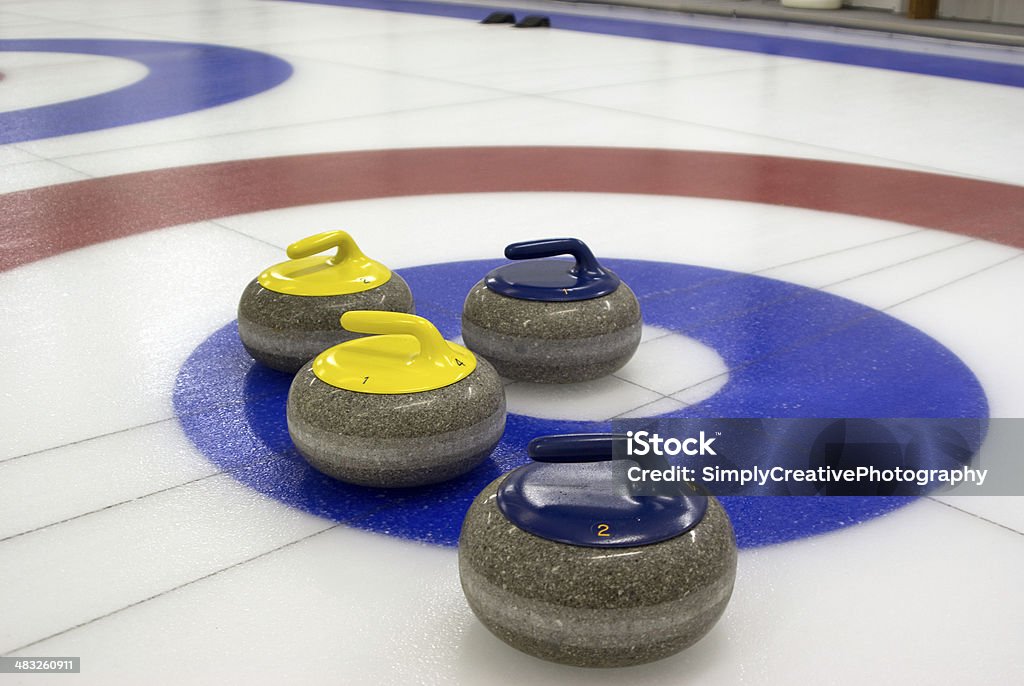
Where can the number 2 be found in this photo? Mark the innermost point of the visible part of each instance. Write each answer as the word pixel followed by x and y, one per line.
pixel 602 530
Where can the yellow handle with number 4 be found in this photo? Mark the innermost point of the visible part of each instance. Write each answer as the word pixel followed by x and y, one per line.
pixel 403 354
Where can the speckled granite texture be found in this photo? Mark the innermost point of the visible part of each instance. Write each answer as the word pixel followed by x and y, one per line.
pixel 595 607
pixel 285 331
pixel 399 440
pixel 552 342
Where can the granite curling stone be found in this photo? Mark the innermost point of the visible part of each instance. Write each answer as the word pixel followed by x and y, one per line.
pixel 552 321
pixel 400 408
pixel 289 313
pixel 563 561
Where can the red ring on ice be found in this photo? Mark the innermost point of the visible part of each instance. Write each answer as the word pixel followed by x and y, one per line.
pixel 41 222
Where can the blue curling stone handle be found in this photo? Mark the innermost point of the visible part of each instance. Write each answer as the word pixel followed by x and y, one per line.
pixel 534 278
pixel 576 447
pixel 575 492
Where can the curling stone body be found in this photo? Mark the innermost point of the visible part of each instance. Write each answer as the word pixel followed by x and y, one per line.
pixel 529 340
pixel 371 431
pixel 396 440
pixel 552 321
pixel 286 331
pixel 589 605
pixel 289 313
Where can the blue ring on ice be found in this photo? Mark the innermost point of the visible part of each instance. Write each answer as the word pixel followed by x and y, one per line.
pixel 181 78
pixel 792 351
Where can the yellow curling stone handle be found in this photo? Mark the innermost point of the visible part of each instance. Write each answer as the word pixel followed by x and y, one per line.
pixel 309 273
pixel 406 355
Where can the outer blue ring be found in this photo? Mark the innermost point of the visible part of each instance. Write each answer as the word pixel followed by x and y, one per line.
pixel 864 56
pixel 794 352
pixel 182 78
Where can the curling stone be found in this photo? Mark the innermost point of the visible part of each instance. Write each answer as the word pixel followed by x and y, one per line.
pixel 401 408
pixel 552 321
pixel 565 562
pixel 289 313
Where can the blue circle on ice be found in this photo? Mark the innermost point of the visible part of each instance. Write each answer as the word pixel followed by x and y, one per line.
pixel 181 78
pixel 792 351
